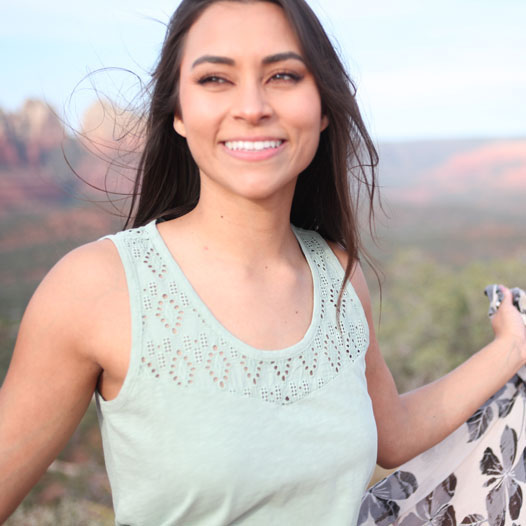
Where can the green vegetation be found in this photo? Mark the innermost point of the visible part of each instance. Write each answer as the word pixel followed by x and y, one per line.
pixel 67 512
pixel 434 315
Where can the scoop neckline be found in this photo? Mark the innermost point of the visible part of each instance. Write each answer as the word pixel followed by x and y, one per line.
pixel 184 283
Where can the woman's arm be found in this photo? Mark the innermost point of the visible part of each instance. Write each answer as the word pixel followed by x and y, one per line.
pixel 53 371
pixel 413 422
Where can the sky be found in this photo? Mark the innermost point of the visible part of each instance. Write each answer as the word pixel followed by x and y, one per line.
pixel 424 69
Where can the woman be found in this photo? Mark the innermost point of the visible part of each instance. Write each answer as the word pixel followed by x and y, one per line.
pixel 236 380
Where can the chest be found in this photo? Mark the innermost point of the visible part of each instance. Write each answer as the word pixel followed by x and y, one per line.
pixel 266 301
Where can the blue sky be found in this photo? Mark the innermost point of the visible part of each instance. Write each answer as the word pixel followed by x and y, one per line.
pixel 424 69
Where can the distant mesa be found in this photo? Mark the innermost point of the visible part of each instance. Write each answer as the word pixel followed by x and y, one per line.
pixel 500 164
pixel 26 136
pixel 109 133
pixel 483 173
pixel 33 142
pixel 108 129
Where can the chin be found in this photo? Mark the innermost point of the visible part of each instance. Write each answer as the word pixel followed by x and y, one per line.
pixel 260 191
pixel 254 185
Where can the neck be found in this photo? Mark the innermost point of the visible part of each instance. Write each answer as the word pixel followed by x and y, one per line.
pixel 243 231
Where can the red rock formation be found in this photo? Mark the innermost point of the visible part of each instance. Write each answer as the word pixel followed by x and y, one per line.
pixel 499 165
pixel 110 134
pixel 33 172
pixel 9 154
pixel 495 170
pixel 26 136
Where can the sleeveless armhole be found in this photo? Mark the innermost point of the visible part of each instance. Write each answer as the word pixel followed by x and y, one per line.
pixel 134 299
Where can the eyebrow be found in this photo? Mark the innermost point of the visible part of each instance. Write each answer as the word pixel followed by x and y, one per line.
pixel 271 59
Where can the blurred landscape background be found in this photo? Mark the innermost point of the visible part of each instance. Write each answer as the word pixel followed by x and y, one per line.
pixel 454 223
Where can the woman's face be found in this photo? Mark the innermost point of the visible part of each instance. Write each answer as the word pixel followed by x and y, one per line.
pixel 250 109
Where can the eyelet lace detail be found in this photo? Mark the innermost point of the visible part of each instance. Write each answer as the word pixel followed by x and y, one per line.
pixel 181 346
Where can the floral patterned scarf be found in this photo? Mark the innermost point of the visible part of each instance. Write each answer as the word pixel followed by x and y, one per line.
pixel 474 477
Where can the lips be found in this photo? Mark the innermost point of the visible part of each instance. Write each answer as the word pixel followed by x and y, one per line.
pixel 254 150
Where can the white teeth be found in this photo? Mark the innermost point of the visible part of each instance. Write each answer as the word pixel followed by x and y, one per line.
pixel 251 146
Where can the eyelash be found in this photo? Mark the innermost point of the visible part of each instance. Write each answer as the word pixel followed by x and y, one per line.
pixel 216 79
pixel 294 77
pixel 211 78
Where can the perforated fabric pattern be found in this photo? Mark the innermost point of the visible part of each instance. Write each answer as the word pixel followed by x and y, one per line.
pixel 183 344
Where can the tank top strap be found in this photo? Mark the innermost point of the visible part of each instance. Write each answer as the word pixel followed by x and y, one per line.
pixel 331 273
pixel 325 259
pixel 135 251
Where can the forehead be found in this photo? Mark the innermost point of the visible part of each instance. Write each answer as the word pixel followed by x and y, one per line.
pixel 238 29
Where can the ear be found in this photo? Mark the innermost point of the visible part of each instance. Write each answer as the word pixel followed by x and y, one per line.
pixel 324 122
pixel 179 126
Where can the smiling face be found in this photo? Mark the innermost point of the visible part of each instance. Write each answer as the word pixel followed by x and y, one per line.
pixel 250 108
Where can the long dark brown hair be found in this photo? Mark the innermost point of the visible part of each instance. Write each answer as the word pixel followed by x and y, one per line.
pixel 328 191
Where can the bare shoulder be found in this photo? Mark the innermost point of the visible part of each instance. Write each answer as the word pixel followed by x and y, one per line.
pixel 86 272
pixel 75 293
pixel 87 267
pixel 64 312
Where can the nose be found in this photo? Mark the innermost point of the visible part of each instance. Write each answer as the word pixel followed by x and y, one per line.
pixel 251 103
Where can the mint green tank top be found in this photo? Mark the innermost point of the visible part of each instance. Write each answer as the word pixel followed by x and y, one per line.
pixel 208 430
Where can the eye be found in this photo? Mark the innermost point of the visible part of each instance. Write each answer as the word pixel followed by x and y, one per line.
pixel 286 76
pixel 212 79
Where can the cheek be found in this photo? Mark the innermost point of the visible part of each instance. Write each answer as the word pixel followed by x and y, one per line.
pixel 199 112
pixel 304 113
pixel 200 122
